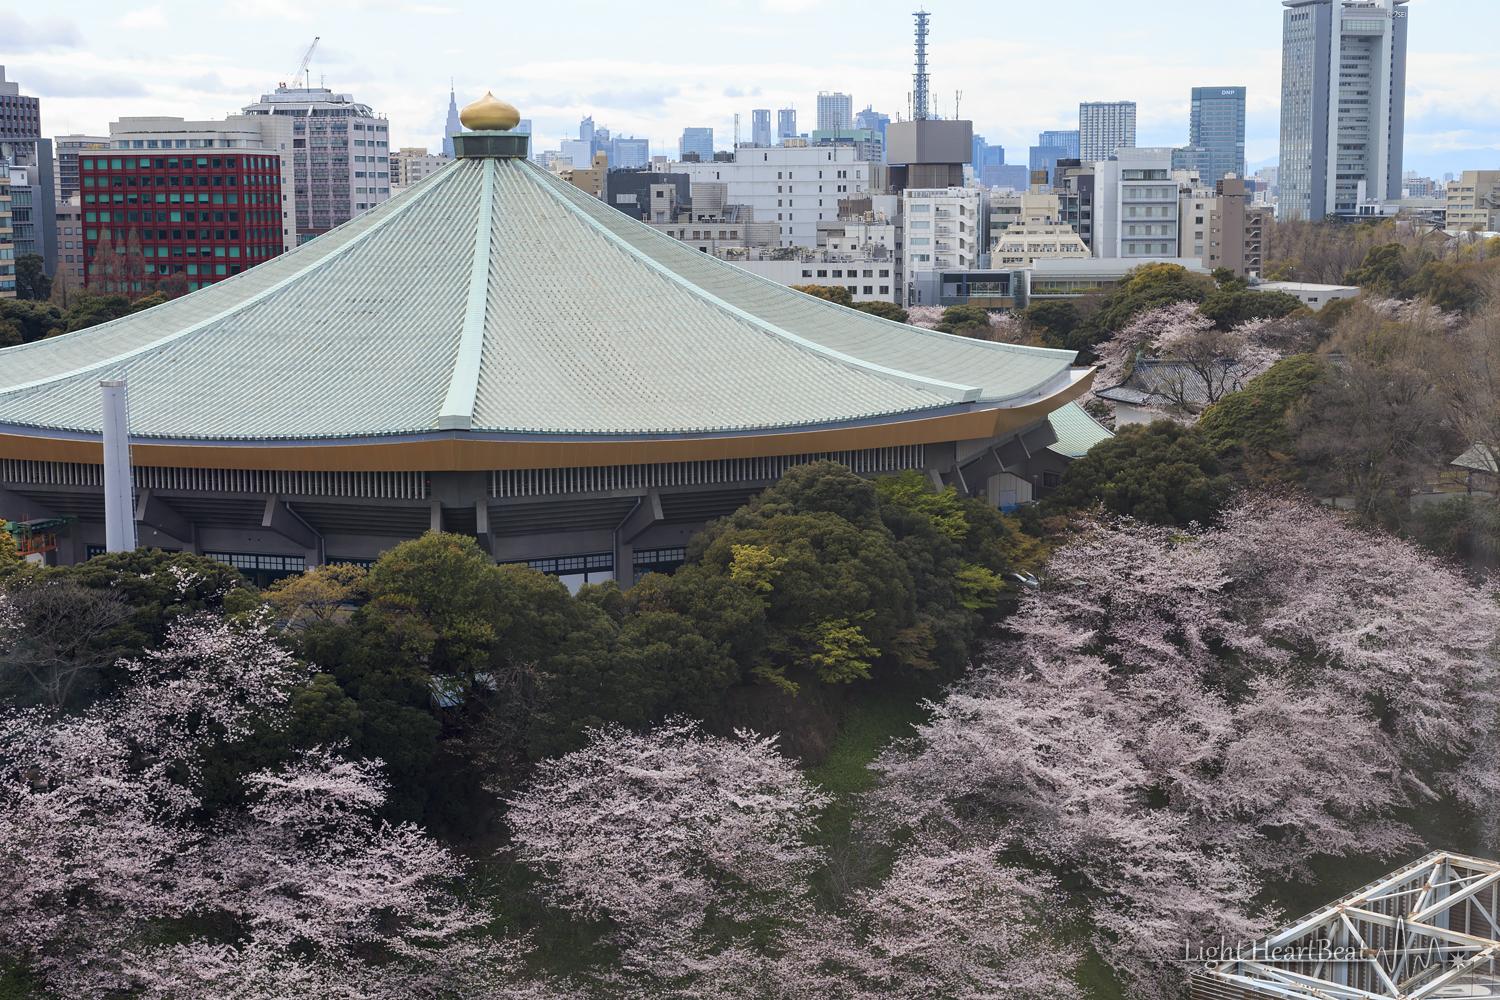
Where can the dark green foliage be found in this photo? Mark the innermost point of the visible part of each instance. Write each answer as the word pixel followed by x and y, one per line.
pixel 31 281
pixel 160 586
pixel 885 310
pixel 1234 304
pixel 833 293
pixel 1163 473
pixel 1255 417
pixel 33 320
pixel 1054 318
pixel 1381 272
pixel 1465 527
pixel 964 320
pixel 1144 287
pixel 1452 286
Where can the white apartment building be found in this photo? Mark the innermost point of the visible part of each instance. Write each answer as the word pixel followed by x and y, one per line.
pixel 412 163
pixel 250 133
pixel 945 228
pixel 1027 227
pixel 340 151
pixel 794 186
pixel 835 111
pixel 1103 127
pixel 868 279
pixel 1136 210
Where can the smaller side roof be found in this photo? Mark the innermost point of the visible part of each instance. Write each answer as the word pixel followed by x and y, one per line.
pixel 1077 432
pixel 1480 458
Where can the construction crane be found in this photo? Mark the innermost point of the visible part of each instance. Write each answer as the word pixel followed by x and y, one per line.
pixel 305 60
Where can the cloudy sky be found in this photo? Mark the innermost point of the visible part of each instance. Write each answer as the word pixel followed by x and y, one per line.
pixel 652 69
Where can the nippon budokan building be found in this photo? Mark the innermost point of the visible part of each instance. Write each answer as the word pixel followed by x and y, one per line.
pixel 496 353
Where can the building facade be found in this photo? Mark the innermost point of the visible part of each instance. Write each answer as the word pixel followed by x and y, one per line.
pixel 873 120
pixel 1216 135
pixel 945 229
pixel 760 127
pixel 69 236
pixel 1103 127
pixel 65 153
pixel 1223 227
pixel 629 152
pixel 835 111
pixel 1063 140
pixel 7 246
pixel 33 205
pixel 410 164
pixel 1136 205
pixel 697 140
pixel 168 215
pixel 339 154
pixel 795 187
pixel 786 124
pixel 1474 201
pixel 1343 105
pixel 20 120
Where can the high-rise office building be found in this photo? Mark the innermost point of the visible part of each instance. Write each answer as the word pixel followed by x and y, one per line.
pixel 760 127
pixel 873 120
pixel 340 155
pixel 1103 127
pixel 1343 105
pixel 1045 158
pixel 7 248
pixel 835 111
pixel 786 124
pixel 452 126
pixel 629 152
pixel 697 140
pixel 1216 135
pixel 1061 140
pixel 20 120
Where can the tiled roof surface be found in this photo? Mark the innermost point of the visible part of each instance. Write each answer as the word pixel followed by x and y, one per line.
pixel 1077 432
pixel 580 321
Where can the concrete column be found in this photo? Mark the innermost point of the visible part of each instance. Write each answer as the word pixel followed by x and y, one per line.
pixel 119 490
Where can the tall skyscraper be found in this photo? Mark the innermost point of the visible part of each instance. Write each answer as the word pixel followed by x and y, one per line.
pixel 835 111
pixel 1061 140
pixel 786 123
pixel 760 126
pixel 1103 127
pixel 1045 158
pixel 452 126
pixel 873 120
pixel 697 140
pixel 1216 135
pixel 20 120
pixel 629 152
pixel 1331 158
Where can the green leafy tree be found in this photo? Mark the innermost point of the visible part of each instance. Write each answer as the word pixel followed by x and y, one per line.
pixel 965 320
pixel 33 320
pixel 915 491
pixel 1054 318
pixel 885 310
pixel 833 293
pixel 1248 428
pixel 31 280
pixel 1454 286
pixel 1382 270
pixel 1162 473
pixel 1233 304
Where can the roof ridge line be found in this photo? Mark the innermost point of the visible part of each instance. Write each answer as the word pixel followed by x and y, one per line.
pixel 964 393
pixel 354 241
pixel 457 412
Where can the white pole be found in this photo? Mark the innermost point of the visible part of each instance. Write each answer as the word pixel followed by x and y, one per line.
pixel 119 490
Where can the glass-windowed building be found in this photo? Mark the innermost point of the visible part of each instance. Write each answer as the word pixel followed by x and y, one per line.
pixel 1343 105
pixel 1216 135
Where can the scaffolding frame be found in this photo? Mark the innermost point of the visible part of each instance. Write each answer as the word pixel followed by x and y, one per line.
pixel 1428 930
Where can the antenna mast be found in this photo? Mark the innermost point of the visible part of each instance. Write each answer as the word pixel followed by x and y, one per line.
pixel 920 102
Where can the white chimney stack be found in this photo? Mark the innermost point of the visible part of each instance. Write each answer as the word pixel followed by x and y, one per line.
pixel 119 487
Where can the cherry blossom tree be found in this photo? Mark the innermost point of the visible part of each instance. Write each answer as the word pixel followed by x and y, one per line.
pixel 301 889
pixel 1181 714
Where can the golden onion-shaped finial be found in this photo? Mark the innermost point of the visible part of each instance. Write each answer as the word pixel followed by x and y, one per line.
pixel 490 114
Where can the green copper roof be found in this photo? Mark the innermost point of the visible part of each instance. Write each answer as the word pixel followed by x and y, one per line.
pixel 495 298
pixel 1077 432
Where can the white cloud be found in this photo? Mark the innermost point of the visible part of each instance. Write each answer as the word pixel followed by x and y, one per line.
pixel 50 33
pixel 146 17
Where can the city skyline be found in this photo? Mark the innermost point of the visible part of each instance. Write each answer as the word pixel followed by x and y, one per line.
pixel 101 62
